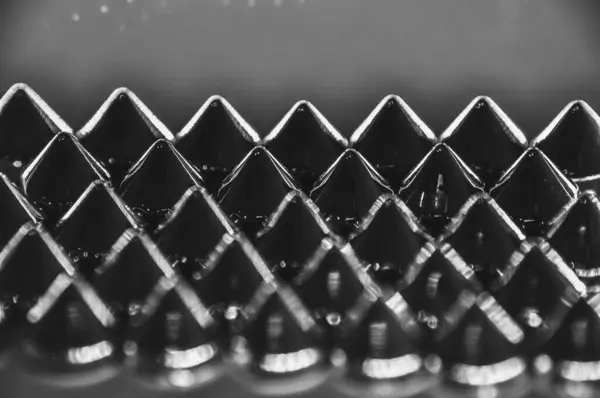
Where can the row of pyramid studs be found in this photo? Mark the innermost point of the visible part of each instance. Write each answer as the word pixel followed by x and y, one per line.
pixel 122 244
pixel 331 318
pixel 440 164
pixel 435 189
pixel 241 199
pixel 102 240
pixel 504 262
pixel 123 128
pixel 130 250
pixel 141 184
pixel 434 163
pixel 268 169
pixel 531 259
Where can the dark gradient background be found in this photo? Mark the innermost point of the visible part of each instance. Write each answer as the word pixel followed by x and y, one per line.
pixel 531 56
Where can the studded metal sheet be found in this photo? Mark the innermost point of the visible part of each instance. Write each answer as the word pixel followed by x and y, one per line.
pixel 394 262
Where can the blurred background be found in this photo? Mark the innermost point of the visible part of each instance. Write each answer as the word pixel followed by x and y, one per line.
pixel 531 56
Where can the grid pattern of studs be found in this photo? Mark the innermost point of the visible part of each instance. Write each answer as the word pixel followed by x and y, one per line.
pixel 395 255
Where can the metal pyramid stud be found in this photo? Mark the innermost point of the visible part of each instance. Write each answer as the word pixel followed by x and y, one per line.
pixel 92 225
pixel 192 231
pixel 59 175
pixel 478 343
pixel 575 234
pixel 156 182
pixel 575 347
pixel 175 334
pixel 382 341
pixel 332 283
pixel 572 141
pixel 27 124
pixel 347 190
pixel 393 139
pixel 485 237
pixel 30 252
pixel 129 273
pixel 291 236
pixel 254 189
pixel 434 282
pixel 532 191
pixel 280 336
pixel 215 140
pixel 388 222
pixel 120 132
pixel 486 139
pixel 231 276
pixel 306 143
pixel 71 326
pixel 537 290
pixel 15 210
pixel 437 188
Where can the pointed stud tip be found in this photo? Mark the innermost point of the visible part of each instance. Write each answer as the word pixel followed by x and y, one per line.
pixel 258 150
pixel 481 101
pixel 162 143
pixel 19 86
pixel 122 92
pixel 578 105
pixel 216 99
pixel 64 135
pixel 350 154
pixel 302 106
pixel 440 147
pixel 391 100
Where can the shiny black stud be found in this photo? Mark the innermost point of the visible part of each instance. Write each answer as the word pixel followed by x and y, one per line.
pixel 92 226
pixel 192 231
pixel 436 189
pixel 230 277
pixel 120 132
pixel 486 139
pixel 59 175
pixel 433 282
pixel 575 234
pixel 575 347
pixel 533 191
pixel 215 140
pixel 347 190
pixel 537 289
pixel 278 347
pixel 485 237
pixel 306 143
pixel 572 142
pixel 128 274
pixel 70 342
pixel 29 262
pixel 478 344
pixel 332 284
pixel 175 341
pixel 156 182
pixel 380 348
pixel 388 240
pixel 291 235
pixel 27 124
pixel 393 139
pixel 254 189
